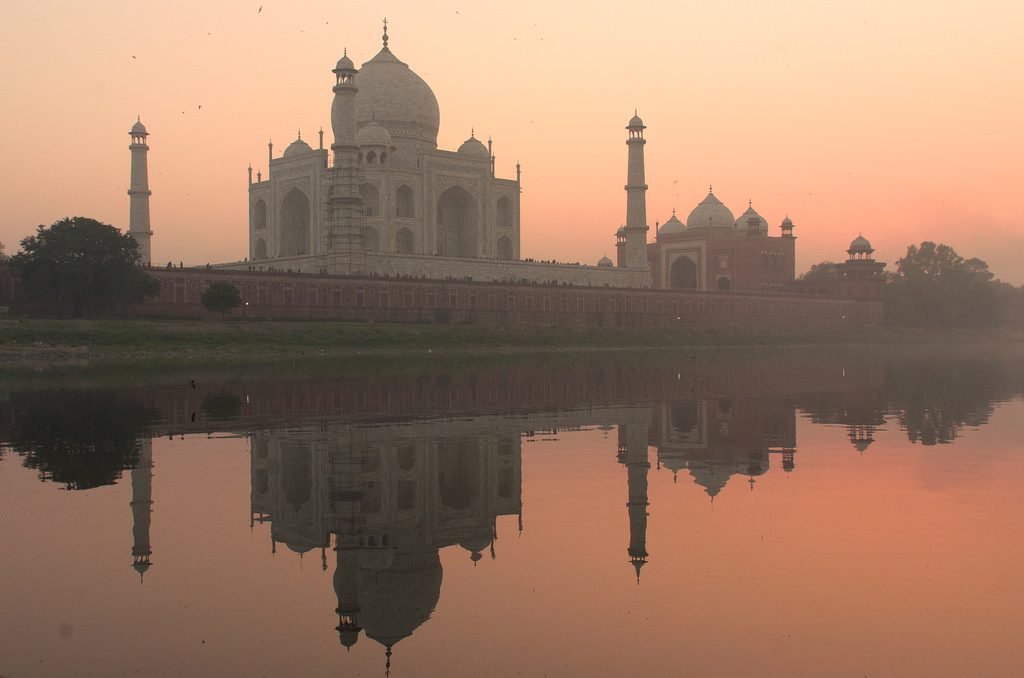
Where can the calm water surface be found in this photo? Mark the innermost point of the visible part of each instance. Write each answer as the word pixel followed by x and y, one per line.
pixel 792 514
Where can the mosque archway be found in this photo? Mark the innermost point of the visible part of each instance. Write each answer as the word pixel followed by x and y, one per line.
pixel 259 215
pixel 458 474
pixel 294 224
pixel 724 284
pixel 371 240
pixel 505 249
pixel 504 213
pixel 684 416
pixel 405 202
pixel 260 249
pixel 456 223
pixel 371 200
pixel 683 274
pixel 296 474
pixel 405 243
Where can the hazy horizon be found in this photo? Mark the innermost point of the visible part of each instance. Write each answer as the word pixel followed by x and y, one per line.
pixel 900 122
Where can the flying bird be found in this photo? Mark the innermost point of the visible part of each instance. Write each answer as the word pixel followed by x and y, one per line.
pixel 260 10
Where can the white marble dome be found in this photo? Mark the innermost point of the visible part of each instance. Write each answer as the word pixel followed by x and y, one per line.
pixel 373 134
pixel 711 213
pixel 297 147
pixel 473 147
pixel 605 262
pixel 393 95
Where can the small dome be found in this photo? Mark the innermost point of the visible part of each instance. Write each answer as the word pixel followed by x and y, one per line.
pixel 860 244
pixel 743 222
pixel 635 122
pixel 473 147
pixel 373 134
pixel 605 262
pixel 297 147
pixel 621 231
pixel 345 64
pixel 787 222
pixel 673 225
pixel 711 213
pixel 138 128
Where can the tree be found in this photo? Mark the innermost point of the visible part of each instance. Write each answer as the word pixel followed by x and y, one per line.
pixel 221 296
pixel 826 270
pixel 935 286
pixel 82 266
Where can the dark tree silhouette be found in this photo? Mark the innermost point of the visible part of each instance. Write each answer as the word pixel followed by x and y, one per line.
pixel 82 266
pixel 80 439
pixel 826 270
pixel 934 286
pixel 221 296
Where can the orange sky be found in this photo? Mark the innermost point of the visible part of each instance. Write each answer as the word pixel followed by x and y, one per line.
pixel 901 120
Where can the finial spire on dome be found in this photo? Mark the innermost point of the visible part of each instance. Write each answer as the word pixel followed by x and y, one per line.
pixel 300 134
pixel 750 203
pixel 385 36
pixel 711 189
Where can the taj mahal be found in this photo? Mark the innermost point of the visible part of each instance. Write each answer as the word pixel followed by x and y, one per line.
pixel 383 200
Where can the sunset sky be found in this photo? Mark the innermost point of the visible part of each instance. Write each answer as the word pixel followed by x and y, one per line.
pixel 901 120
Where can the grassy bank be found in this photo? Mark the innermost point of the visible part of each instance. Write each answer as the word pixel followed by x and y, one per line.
pixel 174 339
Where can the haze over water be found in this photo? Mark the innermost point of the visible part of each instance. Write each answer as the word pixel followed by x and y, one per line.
pixel 721 514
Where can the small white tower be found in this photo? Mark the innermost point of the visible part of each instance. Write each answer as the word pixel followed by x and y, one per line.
pixel 344 205
pixel 138 216
pixel 634 234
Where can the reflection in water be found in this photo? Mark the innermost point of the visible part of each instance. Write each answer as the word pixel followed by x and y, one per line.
pixel 387 472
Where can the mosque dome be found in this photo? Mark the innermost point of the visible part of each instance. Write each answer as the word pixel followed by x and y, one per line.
pixel 751 213
pixel 390 92
pixel 473 147
pixel 297 147
pixel 373 134
pixel 711 213
pixel 396 601
pixel 605 262
pixel 673 225
pixel 787 222
pixel 635 121
pixel 138 128
pixel 860 244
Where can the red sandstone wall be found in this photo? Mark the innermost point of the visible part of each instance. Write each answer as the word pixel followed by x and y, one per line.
pixel 297 296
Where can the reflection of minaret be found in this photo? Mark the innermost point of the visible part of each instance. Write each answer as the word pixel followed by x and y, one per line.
pixel 346 586
pixel 634 438
pixel 142 478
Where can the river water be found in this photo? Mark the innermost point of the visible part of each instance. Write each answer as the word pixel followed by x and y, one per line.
pixel 732 513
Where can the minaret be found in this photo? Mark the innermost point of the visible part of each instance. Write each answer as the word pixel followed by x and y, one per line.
pixel 346 587
pixel 635 231
pixel 345 206
pixel 142 503
pixel 138 216
pixel 633 453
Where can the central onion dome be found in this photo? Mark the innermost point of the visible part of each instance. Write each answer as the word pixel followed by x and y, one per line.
pixel 473 147
pixel 393 95
pixel 711 213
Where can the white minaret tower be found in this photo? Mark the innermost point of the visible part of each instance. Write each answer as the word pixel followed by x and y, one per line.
pixel 634 234
pixel 138 217
pixel 344 205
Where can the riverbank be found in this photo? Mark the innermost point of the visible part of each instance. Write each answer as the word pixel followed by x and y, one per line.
pixel 52 341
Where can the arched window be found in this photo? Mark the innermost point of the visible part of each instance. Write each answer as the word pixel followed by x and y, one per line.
pixel 371 200
pixel 405 243
pixel 505 252
pixel 259 215
pixel 764 260
pixel 504 213
pixel 260 250
pixel 683 274
pixel 405 202
pixel 370 157
pixel 724 284
pixel 458 474
pixel 456 223
pixel 295 224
